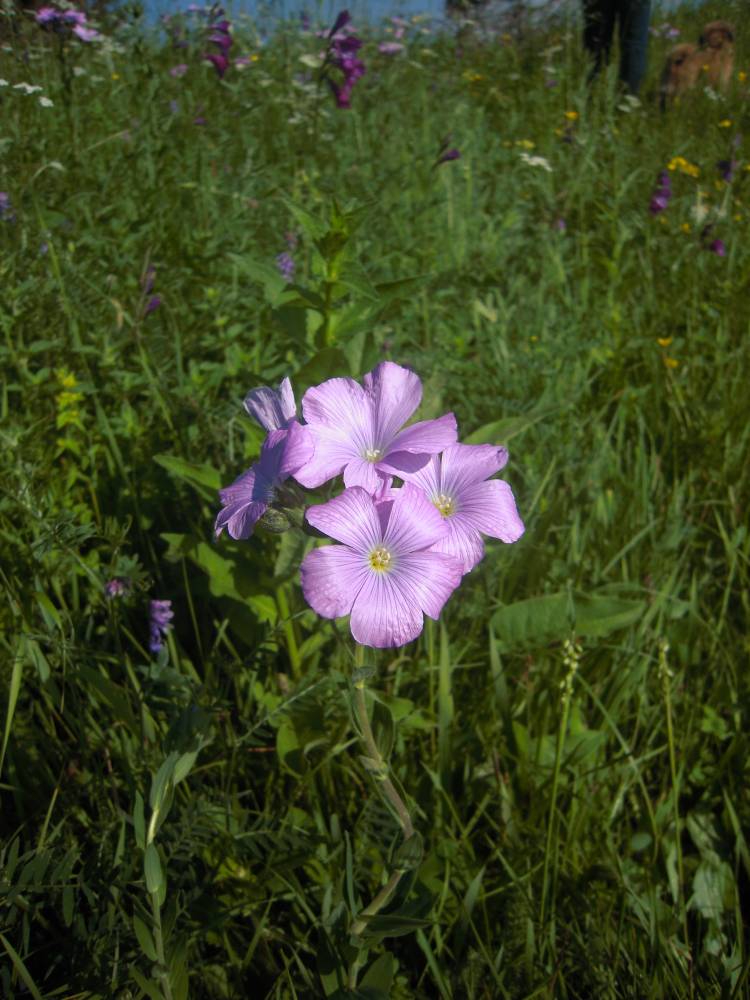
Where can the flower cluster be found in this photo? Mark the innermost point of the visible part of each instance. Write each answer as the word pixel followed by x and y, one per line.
pixel 403 547
pixel 66 20
pixel 662 194
pixel 160 622
pixel 6 209
pixel 219 35
pixel 343 46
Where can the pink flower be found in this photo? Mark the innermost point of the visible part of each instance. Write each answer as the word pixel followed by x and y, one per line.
pixel 85 34
pixel 471 505
pixel 385 574
pixel 390 48
pixel 179 70
pixel 357 429
pixel 250 495
pixel 220 62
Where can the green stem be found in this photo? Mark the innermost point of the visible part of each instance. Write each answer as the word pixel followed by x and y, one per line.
pixel 159 944
pixel 287 624
pixel 666 687
pixel 380 770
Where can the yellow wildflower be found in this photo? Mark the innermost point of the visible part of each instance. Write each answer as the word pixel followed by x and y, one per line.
pixel 670 362
pixel 66 379
pixel 525 143
pixel 115 76
pixel 725 123
pixel 685 227
pixel 737 217
pixel 664 341
pixel 742 76
pixel 572 116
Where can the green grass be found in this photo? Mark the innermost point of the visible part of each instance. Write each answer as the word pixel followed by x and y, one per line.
pixel 583 807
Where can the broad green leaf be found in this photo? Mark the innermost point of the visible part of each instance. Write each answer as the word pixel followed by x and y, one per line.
pixel 553 617
pixel 380 974
pixel 191 472
pixel 13 688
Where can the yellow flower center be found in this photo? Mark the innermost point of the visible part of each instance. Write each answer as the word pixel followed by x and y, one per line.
pixel 445 504
pixel 380 559
pixel 373 454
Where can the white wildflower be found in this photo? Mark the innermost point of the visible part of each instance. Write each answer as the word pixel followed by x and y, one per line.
pixel 45 102
pixel 27 88
pixel 536 161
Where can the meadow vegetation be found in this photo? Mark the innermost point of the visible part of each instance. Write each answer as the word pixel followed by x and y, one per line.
pixel 573 733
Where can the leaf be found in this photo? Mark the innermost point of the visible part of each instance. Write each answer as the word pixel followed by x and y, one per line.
pixel 152 869
pixel 380 974
pixel 13 689
pixel 383 728
pixel 139 822
pixel 500 431
pixel 20 968
pixel 312 228
pixel 145 940
pixel 149 988
pixel 203 477
pixel 327 363
pixel 552 618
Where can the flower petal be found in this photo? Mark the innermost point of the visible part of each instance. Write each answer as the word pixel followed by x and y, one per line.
pixel 463 542
pixel 272 408
pixel 403 464
pixel 464 464
pixel 395 394
pixel 414 522
pixel 426 477
pixel 240 518
pixel 350 518
pixel 426 437
pixel 383 616
pixel 299 449
pixel 332 452
pixel 362 473
pixel 331 579
pixel 342 405
pixel 490 508
pixel 428 579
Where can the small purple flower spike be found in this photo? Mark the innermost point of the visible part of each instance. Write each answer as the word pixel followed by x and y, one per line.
pixel 160 622
pixel 286 266
pixel 718 247
pixel 116 588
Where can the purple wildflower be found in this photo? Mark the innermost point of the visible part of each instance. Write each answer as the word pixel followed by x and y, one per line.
pixel 472 505
pixel 160 622
pixel 47 15
pixel 179 70
pixel 251 494
pixel 561 225
pixel 220 63
pixel 152 305
pixel 718 247
pixel 357 429
pixel 286 266
pixel 447 156
pixel 85 34
pixel 341 21
pixel 116 588
pixel 662 194
pixel 390 48
pixel 342 49
pixel 6 209
pixel 274 409
pixel 727 169
pixel 219 35
pixel 386 573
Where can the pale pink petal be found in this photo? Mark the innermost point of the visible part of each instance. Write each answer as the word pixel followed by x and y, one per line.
pixel 403 464
pixel 396 393
pixel 331 579
pixel 491 509
pixel 341 404
pixel 332 452
pixel 428 579
pixel 383 616
pixel 463 542
pixel 427 477
pixel 351 518
pixel 272 408
pixel 414 522
pixel 426 437
pixel 362 473
pixel 465 464
pixel 298 449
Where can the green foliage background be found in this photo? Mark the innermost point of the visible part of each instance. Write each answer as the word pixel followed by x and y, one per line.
pixel 584 813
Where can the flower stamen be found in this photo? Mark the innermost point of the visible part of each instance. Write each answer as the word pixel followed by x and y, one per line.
pixel 372 454
pixel 380 559
pixel 445 504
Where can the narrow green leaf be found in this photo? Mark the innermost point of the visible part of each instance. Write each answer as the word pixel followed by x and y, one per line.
pixel 152 869
pixel 13 689
pixel 20 968
pixel 139 821
pixel 145 940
